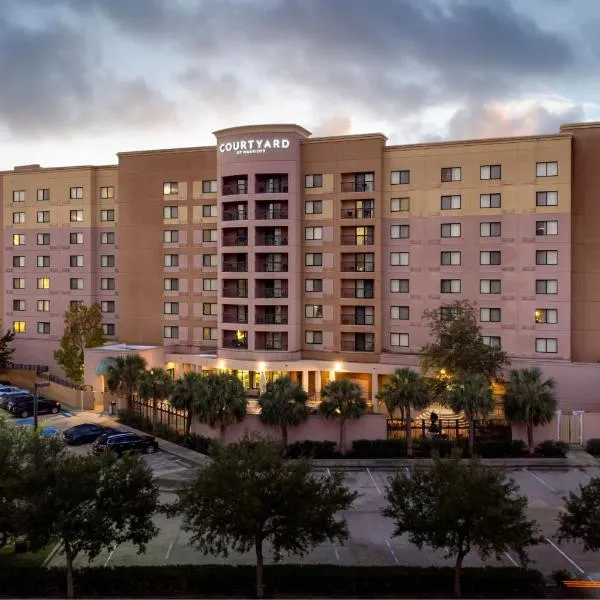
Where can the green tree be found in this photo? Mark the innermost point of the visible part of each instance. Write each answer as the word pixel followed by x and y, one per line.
pixel 5 349
pixel 529 400
pixel 187 394
pixel 283 405
pixel 405 390
pixel 472 395
pixel 157 385
pixel 580 518
pixel 125 376
pixel 459 508
pixel 342 399
pixel 222 403
pixel 249 494
pixel 83 329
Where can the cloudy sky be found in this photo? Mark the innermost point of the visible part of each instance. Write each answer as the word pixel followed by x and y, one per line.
pixel 84 79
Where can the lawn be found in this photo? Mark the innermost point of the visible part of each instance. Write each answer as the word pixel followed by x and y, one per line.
pixel 10 558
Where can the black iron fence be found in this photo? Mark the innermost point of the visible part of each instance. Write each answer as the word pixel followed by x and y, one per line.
pixel 451 429
pixel 166 414
pixel 39 369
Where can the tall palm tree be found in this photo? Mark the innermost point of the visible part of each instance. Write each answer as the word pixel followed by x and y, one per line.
pixel 471 394
pixel 529 400
pixel 187 394
pixel 342 399
pixel 124 377
pixel 283 405
pixel 223 402
pixel 155 384
pixel 405 390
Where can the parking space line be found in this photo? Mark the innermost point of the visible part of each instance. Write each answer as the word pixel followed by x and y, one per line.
pixel 374 482
pixel 565 556
pixel 407 471
pixel 512 560
pixel 541 481
pixel 109 557
pixel 328 472
pixel 392 552
pixel 337 554
pixel 169 551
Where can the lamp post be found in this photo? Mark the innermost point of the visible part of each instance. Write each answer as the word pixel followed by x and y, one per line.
pixel 36 386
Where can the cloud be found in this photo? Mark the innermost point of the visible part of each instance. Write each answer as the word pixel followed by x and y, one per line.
pixel 341 125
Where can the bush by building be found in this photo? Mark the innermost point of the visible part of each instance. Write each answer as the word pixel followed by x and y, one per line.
pixel 593 446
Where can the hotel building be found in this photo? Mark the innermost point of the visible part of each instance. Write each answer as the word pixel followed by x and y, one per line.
pixel 275 251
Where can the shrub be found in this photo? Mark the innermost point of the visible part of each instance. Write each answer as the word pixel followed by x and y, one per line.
pixel 162 430
pixel 136 420
pixel 560 575
pixel 312 449
pixel 500 448
pixel 552 449
pixel 198 443
pixel 593 446
pixel 426 447
pixel 378 448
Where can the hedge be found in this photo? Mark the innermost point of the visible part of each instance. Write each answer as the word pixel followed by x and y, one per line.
pixel 294 580
pixel 593 447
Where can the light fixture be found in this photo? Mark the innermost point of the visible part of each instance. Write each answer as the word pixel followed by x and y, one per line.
pixel 261 366
pixel 337 366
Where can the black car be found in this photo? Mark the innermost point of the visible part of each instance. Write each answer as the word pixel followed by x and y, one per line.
pixel 7 393
pixel 22 406
pixel 85 433
pixel 122 442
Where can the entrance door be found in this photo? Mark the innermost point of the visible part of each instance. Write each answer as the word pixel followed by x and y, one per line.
pixel 570 428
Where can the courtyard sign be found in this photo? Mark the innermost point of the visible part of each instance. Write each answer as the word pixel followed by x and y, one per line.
pixel 257 146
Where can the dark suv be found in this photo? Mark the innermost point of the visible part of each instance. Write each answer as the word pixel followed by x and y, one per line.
pixel 22 406
pixel 120 443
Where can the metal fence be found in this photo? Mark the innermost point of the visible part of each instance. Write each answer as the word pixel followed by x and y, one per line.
pixel 166 414
pixel 39 369
pixel 451 429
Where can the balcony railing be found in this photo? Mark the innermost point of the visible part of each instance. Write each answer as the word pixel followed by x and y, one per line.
pixel 235 344
pixel 235 319
pixel 357 293
pixel 358 240
pixel 358 213
pixel 354 267
pixel 271 319
pixel 231 189
pixel 274 293
pixel 358 320
pixel 271 214
pixel 271 187
pixel 272 268
pixel 358 186
pixel 274 346
pixel 235 215
pixel 272 240
pixel 235 267
pixel 358 346
pixel 238 241
pixel 235 293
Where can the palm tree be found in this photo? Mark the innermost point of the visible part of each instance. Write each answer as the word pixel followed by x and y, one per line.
pixel 283 405
pixel 342 399
pixel 158 385
pixel 187 394
pixel 406 389
pixel 223 402
pixel 472 395
pixel 529 400
pixel 124 377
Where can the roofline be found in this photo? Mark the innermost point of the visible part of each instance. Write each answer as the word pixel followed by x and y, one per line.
pixel 167 150
pixel 29 169
pixel 264 128
pixel 347 137
pixel 589 124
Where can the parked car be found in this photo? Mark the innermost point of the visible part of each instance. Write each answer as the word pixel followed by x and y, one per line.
pixel 85 433
pixel 9 392
pixel 121 442
pixel 22 406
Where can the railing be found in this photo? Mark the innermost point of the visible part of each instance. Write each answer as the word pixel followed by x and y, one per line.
pixel 358 213
pixel 272 187
pixel 354 267
pixel 356 346
pixel 358 186
pixel 231 189
pixel 235 319
pixel 237 267
pixel 235 345
pixel 39 369
pixel 273 346
pixel 357 320
pixel 358 240
pixel 357 293
pixel 274 293
pixel 272 240
pixel 449 429
pixel 168 415
pixel 271 214
pixel 268 268
pixel 235 293
pixel 271 319
pixel 241 241
pixel 235 215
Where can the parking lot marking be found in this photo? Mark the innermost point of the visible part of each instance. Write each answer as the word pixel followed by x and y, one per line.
pixel 565 556
pixel 407 471
pixel 374 482
pixel 512 560
pixel 392 552
pixel 541 481
pixel 109 557
pixel 337 554
pixel 52 554
pixel 328 472
pixel 169 551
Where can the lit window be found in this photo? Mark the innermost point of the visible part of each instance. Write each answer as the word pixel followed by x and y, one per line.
pixel 170 188
pixel 171 236
pixel 400 232
pixel 490 286
pixel 399 259
pixel 76 193
pixel 450 258
pixel 18 239
pixel 491 229
pixel 171 260
pixel 107 191
pixel 313 259
pixel 451 202
pixel 313 181
pixel 399 339
pixel 546 257
pixel 399 313
pixel 450 174
pixel 209 186
pixel 19 326
pixel 43 327
pixel 43 283
pixel 546 286
pixel 399 286
pixel 313 337
pixel 209 285
pixel 546 169
pixel 399 204
pixel 450 286
pixel 43 305
pixel 19 196
pixel 546 315
pixel 490 315
pixel 400 177
pixel 546 228
pixel 493 257
pixel 171 332
pixel 313 311
pixel 490 172
pixel 546 198
pixel 546 345
pixel 313 207
pixel 171 308
pixel 450 230
pixel 76 216
pixel 313 233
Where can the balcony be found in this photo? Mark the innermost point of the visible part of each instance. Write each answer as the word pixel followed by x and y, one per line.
pixel 358 182
pixel 358 213
pixel 237 213
pixel 235 340
pixel 234 185
pixel 271 340
pixel 235 263
pixel 358 289
pixel 358 240
pixel 271 288
pixel 271 236
pixel 233 313
pixel 235 237
pixel 358 315
pixel 358 263
pixel 271 263
pixel 271 211
pixel 271 184
pixel 358 342
pixel 235 288
pixel 271 315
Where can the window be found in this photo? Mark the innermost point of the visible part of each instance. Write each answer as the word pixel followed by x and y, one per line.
pixel 451 202
pixel 546 228
pixel 76 216
pixel 43 283
pixel 171 308
pixel 490 286
pixel 107 237
pixel 313 181
pixel 450 174
pixel 546 345
pixel 450 230
pixel 76 283
pixel 313 311
pixel 107 283
pixel 76 193
pixel 107 260
pixel 546 315
pixel 209 186
pixel 313 337
pixel 493 257
pixel 107 215
pixel 170 236
pixel 107 306
pixel 18 283
pixel 43 261
pixel 209 333
pixel 400 232
pixel 107 191
pixel 493 341
pixel 18 305
pixel 313 233
pixel 399 286
pixel 43 305
pixel 76 238
pixel 400 177
pixel 399 313
pixel 43 216
pixel 546 198
pixel 171 285
pixel 43 327
pixel 170 332
pixel 18 218
pixel 43 239
pixel 19 326
pixel 450 286
pixel 490 229
pixel 546 257
pixel 399 204
pixel 399 339
pixel 43 194
pixel 546 169
pixel 490 172
pixel 313 207
pixel 209 308
pixel 171 260
pixel 170 188
pixel 450 258
pixel 209 285
pixel 313 259
pixel 490 200
pixel 18 239
pixel 209 235
pixel 210 260
pixel 313 285
pixel 171 212
pixel 399 259
pixel 19 196
pixel 209 210
pixel 546 286
pixel 76 260
pixel 18 261
pixel 108 329
pixel 490 315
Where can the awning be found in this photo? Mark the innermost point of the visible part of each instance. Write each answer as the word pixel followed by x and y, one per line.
pixel 104 364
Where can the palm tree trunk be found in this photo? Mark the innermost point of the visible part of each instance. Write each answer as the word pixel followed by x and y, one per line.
pixel 457 569
pixel 259 567
pixel 471 437
pixel 342 437
pixel 222 431
pixel 408 429
pixel 530 437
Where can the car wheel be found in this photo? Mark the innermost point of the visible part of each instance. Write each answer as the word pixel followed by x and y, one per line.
pixel 24 414
pixel 54 410
pixel 150 449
